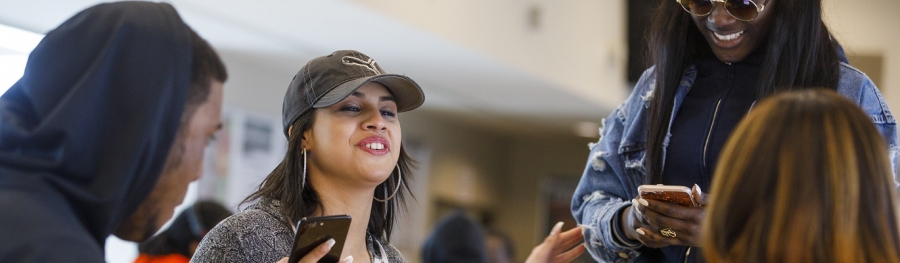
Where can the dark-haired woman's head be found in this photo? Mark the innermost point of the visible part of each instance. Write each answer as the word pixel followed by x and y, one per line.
pixel 341 119
pixel 733 29
pixel 796 48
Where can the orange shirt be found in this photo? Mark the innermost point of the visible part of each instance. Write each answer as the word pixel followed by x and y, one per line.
pixel 170 258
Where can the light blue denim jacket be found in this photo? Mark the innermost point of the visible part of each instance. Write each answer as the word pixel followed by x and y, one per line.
pixel 615 166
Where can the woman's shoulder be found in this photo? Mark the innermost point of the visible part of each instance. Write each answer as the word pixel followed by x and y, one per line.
pixel 647 79
pixel 256 218
pixel 641 92
pixel 853 80
pixel 254 234
pixel 856 86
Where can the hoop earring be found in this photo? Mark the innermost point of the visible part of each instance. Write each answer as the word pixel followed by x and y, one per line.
pixel 397 189
pixel 303 179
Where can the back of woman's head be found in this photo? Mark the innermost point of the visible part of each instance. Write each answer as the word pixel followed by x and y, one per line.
pixel 805 177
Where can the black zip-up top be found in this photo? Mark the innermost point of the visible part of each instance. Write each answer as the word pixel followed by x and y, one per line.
pixel 720 97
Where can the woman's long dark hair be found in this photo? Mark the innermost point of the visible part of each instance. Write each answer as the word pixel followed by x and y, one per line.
pixel 283 185
pixel 800 53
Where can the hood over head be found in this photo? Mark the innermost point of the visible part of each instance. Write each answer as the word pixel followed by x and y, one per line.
pixel 97 110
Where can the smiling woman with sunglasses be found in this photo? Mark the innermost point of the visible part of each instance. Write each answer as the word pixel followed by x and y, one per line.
pixel 744 10
pixel 711 64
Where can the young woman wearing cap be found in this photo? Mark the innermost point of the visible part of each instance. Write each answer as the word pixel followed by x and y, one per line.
pixel 712 60
pixel 344 157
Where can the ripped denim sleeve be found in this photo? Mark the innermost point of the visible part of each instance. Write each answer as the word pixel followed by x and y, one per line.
pixel 872 102
pixel 600 195
pixel 889 130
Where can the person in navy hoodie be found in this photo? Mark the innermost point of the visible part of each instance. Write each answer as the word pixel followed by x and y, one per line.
pixel 104 131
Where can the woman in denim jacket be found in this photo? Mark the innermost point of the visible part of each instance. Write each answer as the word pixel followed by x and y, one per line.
pixel 710 65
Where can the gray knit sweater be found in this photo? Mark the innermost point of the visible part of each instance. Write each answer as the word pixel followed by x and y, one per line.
pixel 261 234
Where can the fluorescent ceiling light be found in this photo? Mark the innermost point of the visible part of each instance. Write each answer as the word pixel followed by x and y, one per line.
pixel 18 40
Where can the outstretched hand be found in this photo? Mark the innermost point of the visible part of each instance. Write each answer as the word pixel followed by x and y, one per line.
pixel 557 247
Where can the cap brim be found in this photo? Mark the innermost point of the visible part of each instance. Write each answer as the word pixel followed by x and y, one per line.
pixel 407 93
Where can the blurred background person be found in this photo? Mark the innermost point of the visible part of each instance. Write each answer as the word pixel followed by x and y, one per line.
pixel 178 242
pixel 456 238
pixel 804 178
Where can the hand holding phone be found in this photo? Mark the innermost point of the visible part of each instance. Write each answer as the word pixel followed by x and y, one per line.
pixel 672 194
pixel 314 231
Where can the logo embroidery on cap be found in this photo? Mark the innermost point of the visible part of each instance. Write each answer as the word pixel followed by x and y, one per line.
pixel 368 64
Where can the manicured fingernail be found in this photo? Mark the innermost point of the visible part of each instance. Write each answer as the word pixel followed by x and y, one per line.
pixel 698 189
pixel 556 228
pixel 348 259
pixel 635 205
pixel 640 231
pixel 643 202
pixel 329 244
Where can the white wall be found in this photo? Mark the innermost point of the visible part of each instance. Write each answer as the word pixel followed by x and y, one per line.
pixel 579 44
pixel 870 27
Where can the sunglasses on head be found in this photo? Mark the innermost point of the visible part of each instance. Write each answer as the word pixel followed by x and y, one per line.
pixel 744 10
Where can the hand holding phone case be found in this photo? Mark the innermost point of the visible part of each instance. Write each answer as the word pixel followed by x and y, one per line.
pixel 313 231
pixel 672 194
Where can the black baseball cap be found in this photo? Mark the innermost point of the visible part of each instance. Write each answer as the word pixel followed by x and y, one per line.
pixel 327 80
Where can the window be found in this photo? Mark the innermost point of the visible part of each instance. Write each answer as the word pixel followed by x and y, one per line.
pixel 15 45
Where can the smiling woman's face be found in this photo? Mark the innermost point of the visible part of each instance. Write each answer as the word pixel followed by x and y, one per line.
pixel 733 40
pixel 357 139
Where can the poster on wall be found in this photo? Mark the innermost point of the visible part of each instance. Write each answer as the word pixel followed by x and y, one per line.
pixel 249 146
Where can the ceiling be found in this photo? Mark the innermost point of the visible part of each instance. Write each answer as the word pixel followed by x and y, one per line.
pixel 264 42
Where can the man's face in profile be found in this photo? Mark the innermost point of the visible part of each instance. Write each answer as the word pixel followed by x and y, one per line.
pixel 183 166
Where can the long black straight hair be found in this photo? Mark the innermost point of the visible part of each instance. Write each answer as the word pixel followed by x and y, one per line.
pixel 283 185
pixel 799 54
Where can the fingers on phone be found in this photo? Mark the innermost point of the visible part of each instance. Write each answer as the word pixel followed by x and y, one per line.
pixel 318 253
pixel 699 196
pixel 324 248
pixel 654 239
pixel 635 206
pixel 655 209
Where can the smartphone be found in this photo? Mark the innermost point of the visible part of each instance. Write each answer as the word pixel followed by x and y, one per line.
pixel 672 194
pixel 313 231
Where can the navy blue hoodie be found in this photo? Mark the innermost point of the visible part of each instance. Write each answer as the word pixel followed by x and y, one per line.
pixel 85 132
